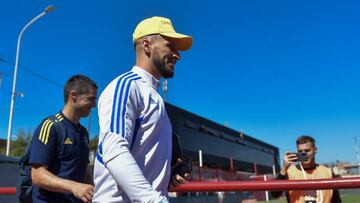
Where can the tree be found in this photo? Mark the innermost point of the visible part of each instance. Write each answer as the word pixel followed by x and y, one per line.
pixel 2 150
pixel 23 138
pixel 93 144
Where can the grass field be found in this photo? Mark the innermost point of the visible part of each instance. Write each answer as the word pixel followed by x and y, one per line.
pixel 345 199
pixel 350 198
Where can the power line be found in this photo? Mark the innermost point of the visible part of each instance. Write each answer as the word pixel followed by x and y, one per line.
pixel 31 72
pixel 41 77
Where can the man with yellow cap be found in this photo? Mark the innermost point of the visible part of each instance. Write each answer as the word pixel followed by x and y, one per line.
pixel 134 155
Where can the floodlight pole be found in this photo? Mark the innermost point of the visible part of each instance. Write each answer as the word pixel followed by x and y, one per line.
pixel 13 93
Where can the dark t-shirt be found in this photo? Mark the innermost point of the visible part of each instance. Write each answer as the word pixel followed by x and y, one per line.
pixel 66 157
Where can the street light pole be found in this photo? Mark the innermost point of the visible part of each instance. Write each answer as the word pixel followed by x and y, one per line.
pixel 357 154
pixel 13 93
pixel 165 89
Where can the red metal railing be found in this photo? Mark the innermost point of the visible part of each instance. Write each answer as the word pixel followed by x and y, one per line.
pixel 335 183
pixel 7 191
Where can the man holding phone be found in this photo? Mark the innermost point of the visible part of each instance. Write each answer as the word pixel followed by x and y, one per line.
pixel 302 165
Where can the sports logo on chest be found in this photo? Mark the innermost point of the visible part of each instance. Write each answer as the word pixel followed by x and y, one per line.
pixel 68 141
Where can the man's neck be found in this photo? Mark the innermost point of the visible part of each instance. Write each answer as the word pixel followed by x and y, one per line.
pixel 310 166
pixel 70 114
pixel 150 68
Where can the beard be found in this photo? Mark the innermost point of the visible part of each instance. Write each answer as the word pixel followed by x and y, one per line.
pixel 163 68
pixel 167 72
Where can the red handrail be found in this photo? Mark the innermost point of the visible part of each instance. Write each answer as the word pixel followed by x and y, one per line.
pixel 335 183
pixel 273 185
pixel 7 191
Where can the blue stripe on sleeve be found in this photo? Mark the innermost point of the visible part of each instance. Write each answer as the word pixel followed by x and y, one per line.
pixel 122 103
pixel 114 100
pixel 125 101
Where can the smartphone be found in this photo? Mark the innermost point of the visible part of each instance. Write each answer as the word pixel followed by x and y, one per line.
pixel 301 156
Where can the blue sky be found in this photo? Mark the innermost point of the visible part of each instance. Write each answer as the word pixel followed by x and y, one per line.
pixel 272 69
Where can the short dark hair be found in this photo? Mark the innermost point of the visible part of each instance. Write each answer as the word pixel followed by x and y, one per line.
pixel 149 37
pixel 305 139
pixel 80 83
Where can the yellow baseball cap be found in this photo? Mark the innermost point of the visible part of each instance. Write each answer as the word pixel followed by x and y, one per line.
pixel 162 26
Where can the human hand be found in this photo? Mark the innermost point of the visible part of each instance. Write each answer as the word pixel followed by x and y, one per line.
pixel 289 158
pixel 84 192
pixel 177 180
pixel 180 173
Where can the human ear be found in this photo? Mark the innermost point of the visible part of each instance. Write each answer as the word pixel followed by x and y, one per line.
pixel 146 46
pixel 73 95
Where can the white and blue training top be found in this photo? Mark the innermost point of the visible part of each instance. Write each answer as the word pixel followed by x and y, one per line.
pixel 134 155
